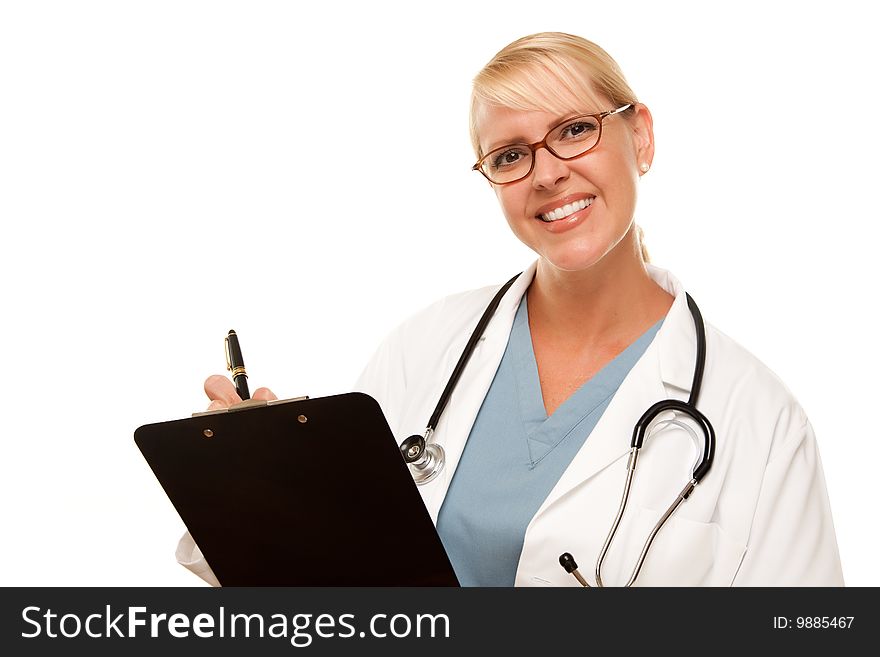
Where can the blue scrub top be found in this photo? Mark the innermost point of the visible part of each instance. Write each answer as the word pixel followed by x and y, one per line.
pixel 515 454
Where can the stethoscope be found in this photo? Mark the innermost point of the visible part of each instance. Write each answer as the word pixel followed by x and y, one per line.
pixel 426 459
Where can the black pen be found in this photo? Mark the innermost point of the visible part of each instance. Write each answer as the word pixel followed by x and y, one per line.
pixel 235 364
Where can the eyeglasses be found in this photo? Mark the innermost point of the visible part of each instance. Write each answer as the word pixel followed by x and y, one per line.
pixel 570 139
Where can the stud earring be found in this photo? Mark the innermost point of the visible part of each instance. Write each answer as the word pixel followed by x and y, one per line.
pixel 644 167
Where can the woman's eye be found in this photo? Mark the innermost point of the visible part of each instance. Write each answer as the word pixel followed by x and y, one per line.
pixel 578 129
pixel 507 158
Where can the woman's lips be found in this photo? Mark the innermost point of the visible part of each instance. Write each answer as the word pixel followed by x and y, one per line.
pixel 573 210
pixel 571 221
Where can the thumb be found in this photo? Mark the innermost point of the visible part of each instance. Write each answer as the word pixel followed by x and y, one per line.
pixel 220 389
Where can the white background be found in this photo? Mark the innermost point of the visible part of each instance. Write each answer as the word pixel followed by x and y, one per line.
pixel 300 172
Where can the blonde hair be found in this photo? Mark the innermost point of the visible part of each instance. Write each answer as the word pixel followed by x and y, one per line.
pixel 554 72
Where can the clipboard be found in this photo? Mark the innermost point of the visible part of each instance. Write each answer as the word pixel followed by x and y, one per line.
pixel 302 492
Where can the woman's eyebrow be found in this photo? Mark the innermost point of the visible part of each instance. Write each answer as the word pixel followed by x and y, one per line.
pixel 519 139
pixel 507 142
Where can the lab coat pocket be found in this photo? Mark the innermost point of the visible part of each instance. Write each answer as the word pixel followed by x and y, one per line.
pixel 685 552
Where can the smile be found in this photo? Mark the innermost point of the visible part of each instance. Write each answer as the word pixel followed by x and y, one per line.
pixel 565 210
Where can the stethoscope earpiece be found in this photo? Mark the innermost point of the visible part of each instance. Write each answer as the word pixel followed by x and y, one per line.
pixel 567 561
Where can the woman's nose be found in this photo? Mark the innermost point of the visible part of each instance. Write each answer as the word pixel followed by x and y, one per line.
pixel 549 170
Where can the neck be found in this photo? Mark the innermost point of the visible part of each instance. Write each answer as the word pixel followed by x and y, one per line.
pixel 614 300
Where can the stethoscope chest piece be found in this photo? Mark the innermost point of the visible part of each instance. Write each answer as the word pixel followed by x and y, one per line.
pixel 425 460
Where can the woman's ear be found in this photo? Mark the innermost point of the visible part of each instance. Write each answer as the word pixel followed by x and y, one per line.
pixel 643 136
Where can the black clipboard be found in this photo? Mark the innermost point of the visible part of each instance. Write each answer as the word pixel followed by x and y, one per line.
pixel 305 492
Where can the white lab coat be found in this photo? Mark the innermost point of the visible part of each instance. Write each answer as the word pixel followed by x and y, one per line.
pixel 761 517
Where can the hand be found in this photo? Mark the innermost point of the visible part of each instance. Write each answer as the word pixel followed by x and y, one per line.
pixel 222 393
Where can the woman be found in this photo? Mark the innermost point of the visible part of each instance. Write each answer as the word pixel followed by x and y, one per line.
pixel 537 430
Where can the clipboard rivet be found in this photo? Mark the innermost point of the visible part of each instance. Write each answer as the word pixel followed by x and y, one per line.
pixel 208 433
pixel 302 419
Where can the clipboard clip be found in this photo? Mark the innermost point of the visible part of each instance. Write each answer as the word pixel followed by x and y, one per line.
pixel 249 404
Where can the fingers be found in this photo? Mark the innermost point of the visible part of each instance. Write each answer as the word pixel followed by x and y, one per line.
pixel 217 405
pixel 263 394
pixel 221 392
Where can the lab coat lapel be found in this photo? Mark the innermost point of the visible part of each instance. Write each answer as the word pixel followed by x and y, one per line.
pixel 457 420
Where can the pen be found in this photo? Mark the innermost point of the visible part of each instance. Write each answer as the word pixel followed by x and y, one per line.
pixel 235 364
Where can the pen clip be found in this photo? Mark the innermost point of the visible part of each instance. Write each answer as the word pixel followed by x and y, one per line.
pixel 226 348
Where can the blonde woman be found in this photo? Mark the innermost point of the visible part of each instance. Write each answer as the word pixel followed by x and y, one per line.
pixel 536 434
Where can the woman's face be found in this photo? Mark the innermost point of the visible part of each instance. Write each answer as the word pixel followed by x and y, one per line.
pixel 606 178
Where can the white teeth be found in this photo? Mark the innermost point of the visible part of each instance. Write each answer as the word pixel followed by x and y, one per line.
pixel 566 210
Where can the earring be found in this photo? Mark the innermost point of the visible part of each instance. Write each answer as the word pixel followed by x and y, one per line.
pixel 644 167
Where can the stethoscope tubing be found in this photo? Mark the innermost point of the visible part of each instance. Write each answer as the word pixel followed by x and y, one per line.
pixel 467 352
pixel 426 460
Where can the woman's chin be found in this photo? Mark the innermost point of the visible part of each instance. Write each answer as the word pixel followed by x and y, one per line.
pixel 578 255
pixel 570 260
